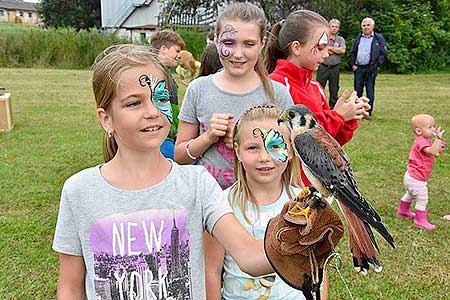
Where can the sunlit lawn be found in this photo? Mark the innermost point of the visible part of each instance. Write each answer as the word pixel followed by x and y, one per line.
pixel 56 134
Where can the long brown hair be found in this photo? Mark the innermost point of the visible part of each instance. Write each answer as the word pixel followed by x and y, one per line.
pixel 298 26
pixel 249 13
pixel 210 62
pixel 108 67
pixel 240 192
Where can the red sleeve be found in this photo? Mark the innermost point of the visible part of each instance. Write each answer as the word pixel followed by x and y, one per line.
pixel 330 120
pixel 277 77
pixel 335 125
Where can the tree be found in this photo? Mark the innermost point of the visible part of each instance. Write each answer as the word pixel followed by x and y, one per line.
pixel 416 31
pixel 80 14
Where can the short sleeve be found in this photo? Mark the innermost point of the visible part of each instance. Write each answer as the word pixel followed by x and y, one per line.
pixel 422 143
pixel 213 199
pixel 282 95
pixel 188 111
pixel 342 42
pixel 66 238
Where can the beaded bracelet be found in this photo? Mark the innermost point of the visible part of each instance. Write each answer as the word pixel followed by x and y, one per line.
pixel 189 152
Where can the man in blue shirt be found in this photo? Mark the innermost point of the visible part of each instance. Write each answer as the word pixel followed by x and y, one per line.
pixel 367 53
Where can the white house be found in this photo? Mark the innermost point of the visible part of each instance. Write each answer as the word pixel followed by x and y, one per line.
pixel 135 20
pixel 131 19
pixel 18 11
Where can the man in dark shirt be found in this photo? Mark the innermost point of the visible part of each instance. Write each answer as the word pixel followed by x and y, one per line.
pixel 367 53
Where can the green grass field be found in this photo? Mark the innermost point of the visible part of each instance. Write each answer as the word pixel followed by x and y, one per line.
pixel 56 134
pixel 6 27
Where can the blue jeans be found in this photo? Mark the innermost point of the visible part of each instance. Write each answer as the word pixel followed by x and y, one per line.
pixel 365 77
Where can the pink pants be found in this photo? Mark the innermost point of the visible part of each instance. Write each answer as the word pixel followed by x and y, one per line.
pixel 415 190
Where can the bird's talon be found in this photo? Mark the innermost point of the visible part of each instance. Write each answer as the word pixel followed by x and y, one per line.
pixel 363 272
pixel 303 212
pixel 376 268
pixel 303 193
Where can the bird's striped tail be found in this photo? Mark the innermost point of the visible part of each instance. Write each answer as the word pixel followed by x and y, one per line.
pixel 362 243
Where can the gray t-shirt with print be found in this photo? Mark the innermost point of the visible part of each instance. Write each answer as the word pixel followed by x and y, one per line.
pixel 203 99
pixel 140 244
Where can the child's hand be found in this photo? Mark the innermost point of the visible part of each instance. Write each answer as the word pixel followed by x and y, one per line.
pixel 442 144
pixel 228 139
pixel 353 108
pixel 218 126
pixel 364 100
pixel 439 133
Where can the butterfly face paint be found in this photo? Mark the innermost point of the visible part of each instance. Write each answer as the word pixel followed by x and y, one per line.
pixel 273 143
pixel 226 40
pixel 159 94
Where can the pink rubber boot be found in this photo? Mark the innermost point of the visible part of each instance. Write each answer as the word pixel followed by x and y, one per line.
pixel 403 210
pixel 420 220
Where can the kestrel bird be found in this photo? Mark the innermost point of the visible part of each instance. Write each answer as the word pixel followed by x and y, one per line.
pixel 327 167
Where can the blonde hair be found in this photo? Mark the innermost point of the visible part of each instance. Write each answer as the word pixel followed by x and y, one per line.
pixel 249 13
pixel 187 61
pixel 420 120
pixel 107 69
pixel 240 192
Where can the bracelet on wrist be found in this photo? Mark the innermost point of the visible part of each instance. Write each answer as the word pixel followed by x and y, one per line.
pixel 188 152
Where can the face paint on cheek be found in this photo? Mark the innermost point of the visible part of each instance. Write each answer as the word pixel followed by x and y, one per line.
pixel 273 143
pixel 226 39
pixel 224 51
pixel 159 95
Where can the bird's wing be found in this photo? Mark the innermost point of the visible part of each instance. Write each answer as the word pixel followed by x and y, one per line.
pixel 327 161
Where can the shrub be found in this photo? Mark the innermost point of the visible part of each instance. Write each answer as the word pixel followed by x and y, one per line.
pixel 195 42
pixel 61 48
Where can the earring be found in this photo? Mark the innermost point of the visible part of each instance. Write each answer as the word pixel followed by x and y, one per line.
pixel 109 134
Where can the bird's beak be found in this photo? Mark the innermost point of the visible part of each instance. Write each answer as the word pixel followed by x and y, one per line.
pixel 283 118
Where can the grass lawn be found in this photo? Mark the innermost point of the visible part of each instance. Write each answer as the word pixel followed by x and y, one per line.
pixel 6 27
pixel 56 134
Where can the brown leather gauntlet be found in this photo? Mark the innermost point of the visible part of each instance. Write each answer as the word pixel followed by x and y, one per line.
pixel 298 240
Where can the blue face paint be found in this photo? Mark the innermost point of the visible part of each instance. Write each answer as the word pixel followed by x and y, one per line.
pixel 158 94
pixel 273 143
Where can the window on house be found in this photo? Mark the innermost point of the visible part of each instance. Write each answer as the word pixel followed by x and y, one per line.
pixel 21 13
pixel 30 15
pixel 2 12
pixel 144 38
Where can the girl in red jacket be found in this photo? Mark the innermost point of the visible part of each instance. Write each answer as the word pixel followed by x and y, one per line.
pixel 296 48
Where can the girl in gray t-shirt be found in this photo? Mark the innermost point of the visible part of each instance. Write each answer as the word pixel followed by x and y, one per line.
pixel 132 228
pixel 212 103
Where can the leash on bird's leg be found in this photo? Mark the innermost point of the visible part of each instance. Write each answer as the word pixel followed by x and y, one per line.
pixel 336 257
